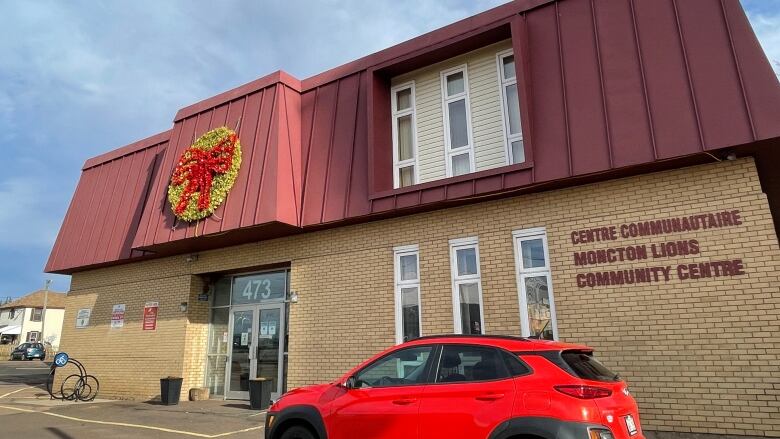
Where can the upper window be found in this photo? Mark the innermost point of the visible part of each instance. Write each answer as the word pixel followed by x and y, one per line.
pixel 407 293
pixel 12 313
pixel 511 107
pixel 466 286
pixel 463 363
pixel 537 308
pixel 458 141
pixel 404 136
pixel 403 367
pixel 36 315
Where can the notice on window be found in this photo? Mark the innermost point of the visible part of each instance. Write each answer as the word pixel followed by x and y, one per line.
pixel 118 316
pixel 82 317
pixel 244 338
pixel 263 328
pixel 272 328
pixel 150 316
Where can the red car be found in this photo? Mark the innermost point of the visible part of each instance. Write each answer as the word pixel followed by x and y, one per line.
pixel 464 387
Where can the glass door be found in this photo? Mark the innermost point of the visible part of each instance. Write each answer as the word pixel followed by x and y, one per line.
pixel 257 348
pixel 242 324
pixel 270 346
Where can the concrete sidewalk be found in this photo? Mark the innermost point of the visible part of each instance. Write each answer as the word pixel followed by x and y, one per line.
pixel 28 412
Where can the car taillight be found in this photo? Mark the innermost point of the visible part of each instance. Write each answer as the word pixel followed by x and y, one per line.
pixel 584 392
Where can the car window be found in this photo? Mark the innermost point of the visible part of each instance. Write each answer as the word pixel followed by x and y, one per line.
pixel 461 363
pixel 23 346
pixel 401 368
pixel 587 367
pixel 515 366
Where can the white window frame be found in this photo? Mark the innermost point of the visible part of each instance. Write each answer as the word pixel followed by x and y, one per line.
pixel 40 316
pixel 503 83
pixel 455 245
pixel 400 284
pixel 445 100
pixel 518 237
pixel 30 338
pixel 397 114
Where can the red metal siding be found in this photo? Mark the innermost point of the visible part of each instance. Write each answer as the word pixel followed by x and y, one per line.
pixel 607 88
pixel 106 208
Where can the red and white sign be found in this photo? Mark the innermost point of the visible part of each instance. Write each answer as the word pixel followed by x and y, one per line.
pixel 118 316
pixel 150 316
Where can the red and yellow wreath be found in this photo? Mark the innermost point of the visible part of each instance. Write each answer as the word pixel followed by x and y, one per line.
pixel 204 174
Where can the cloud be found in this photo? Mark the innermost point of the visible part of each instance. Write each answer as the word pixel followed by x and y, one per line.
pixel 766 24
pixel 24 214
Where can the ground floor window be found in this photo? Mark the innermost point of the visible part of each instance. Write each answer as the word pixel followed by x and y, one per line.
pixel 532 261
pixel 33 336
pixel 408 322
pixel 466 286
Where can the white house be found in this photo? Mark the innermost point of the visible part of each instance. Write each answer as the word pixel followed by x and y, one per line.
pixel 22 320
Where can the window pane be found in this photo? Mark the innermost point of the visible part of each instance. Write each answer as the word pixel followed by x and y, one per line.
pixel 410 308
pixel 222 292
pixel 513 109
pixel 401 368
pixel 470 363
pixel 408 265
pixel 459 134
pixel 406 176
pixel 533 253
pixel 403 99
pixel 218 331
pixel 461 164
pixel 455 84
pixel 518 152
pixel 538 299
pixel 467 261
pixel 405 136
pixel 470 316
pixel 509 67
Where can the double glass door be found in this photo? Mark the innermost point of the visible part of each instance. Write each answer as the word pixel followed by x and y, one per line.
pixel 256 348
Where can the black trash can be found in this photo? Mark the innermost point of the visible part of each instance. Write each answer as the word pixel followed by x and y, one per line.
pixel 170 389
pixel 260 393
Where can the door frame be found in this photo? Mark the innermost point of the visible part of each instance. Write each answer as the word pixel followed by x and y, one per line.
pixel 253 343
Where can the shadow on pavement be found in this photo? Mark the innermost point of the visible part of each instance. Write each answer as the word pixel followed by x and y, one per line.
pixel 59 433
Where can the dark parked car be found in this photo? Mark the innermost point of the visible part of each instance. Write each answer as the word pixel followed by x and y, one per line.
pixel 28 351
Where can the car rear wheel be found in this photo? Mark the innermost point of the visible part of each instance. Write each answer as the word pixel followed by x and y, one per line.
pixel 297 432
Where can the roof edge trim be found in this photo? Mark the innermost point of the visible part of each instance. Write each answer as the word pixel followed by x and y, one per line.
pixel 266 81
pixel 127 149
pixel 434 37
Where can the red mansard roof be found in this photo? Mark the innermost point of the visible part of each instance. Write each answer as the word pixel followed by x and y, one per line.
pixel 606 89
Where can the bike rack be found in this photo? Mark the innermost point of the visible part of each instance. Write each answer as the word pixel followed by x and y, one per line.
pixel 80 386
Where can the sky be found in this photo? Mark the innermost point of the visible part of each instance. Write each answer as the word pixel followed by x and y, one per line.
pixel 79 78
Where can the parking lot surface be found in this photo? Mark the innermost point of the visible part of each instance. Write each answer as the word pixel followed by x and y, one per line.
pixel 27 411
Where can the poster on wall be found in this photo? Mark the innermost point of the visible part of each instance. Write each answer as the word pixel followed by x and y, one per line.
pixel 150 316
pixel 118 316
pixel 82 317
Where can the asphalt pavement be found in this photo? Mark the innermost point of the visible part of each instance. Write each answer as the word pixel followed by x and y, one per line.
pixel 27 411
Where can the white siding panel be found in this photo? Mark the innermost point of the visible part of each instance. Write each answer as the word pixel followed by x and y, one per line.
pixel 485 105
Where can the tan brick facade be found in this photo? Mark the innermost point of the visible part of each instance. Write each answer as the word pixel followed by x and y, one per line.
pixel 699 355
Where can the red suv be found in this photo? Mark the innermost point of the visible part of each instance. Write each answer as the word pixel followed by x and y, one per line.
pixel 464 387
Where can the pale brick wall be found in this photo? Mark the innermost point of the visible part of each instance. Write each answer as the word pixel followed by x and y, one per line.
pixel 700 356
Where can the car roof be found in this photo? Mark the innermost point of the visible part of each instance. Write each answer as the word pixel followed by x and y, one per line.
pixel 512 344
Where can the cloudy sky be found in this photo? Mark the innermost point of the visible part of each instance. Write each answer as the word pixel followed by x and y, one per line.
pixel 78 78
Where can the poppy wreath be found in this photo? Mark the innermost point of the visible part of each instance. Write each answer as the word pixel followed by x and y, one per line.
pixel 204 174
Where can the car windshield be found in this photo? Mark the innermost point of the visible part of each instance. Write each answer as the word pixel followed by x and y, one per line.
pixel 23 346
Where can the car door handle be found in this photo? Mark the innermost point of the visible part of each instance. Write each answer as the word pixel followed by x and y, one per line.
pixel 404 401
pixel 490 397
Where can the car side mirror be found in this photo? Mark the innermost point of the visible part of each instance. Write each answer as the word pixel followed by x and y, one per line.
pixel 351 383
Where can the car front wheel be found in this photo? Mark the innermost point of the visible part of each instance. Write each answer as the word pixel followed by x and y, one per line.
pixel 297 432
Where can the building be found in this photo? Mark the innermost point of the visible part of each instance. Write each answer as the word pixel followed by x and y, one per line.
pixel 22 320
pixel 597 172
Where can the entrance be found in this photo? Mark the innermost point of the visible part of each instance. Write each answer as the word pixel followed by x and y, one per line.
pixel 257 348
pixel 247 333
